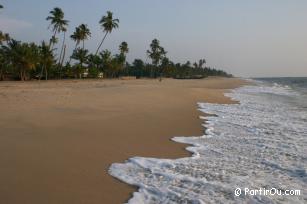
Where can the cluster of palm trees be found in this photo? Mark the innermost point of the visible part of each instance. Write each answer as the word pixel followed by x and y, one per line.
pixel 30 60
pixel 19 60
pixel 167 68
pixel 81 34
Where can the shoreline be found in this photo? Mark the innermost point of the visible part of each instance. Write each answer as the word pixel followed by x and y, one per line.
pixel 149 114
pixel 173 139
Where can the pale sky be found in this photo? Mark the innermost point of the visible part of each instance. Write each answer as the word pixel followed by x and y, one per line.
pixel 254 38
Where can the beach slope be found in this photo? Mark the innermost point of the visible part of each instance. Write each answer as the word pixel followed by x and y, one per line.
pixel 58 138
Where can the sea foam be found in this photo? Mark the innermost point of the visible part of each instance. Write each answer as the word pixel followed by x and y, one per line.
pixel 259 143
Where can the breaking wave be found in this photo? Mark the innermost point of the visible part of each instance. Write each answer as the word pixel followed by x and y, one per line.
pixel 259 143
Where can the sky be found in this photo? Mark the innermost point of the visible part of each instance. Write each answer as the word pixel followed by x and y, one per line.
pixel 248 38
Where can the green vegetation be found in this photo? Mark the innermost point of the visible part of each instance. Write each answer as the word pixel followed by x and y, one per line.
pixel 108 24
pixel 26 61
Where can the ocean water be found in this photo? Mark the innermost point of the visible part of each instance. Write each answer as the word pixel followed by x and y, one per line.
pixel 259 143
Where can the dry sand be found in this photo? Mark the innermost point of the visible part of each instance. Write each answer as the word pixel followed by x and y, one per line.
pixel 58 138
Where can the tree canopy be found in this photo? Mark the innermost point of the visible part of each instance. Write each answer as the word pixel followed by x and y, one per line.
pixel 25 61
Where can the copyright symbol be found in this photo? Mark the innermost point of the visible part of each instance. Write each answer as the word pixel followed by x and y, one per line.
pixel 238 192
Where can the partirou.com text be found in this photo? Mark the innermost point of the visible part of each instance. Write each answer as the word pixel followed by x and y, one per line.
pixel 266 192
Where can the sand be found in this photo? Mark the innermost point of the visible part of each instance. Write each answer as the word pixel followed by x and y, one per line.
pixel 58 138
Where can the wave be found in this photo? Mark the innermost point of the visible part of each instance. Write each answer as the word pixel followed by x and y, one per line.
pixel 258 143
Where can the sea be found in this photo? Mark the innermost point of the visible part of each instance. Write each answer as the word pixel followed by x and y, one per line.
pixel 251 152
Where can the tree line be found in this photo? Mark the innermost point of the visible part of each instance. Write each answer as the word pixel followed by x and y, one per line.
pixel 26 61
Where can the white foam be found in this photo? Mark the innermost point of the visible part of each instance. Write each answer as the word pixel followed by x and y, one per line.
pixel 259 143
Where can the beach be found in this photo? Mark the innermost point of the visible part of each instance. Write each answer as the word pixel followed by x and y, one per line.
pixel 58 138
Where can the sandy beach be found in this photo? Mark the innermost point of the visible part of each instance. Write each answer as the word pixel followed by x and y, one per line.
pixel 58 138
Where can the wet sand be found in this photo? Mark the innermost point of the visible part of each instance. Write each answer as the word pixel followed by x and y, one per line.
pixel 58 138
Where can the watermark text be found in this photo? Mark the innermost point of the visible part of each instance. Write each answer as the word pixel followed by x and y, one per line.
pixel 266 192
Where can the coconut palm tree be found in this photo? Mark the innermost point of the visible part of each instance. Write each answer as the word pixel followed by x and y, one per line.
pixel 85 33
pixel 94 63
pixel 106 57
pixel 46 59
pixel 76 36
pixel 4 59
pixel 23 56
pixel 201 63
pixel 4 62
pixel 156 53
pixel 123 48
pixel 57 22
pixel 54 40
pixel 81 55
pixel 82 33
pixel 108 24
pixel 116 65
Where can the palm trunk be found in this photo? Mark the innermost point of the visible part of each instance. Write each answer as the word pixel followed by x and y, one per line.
pixel 46 73
pixel 53 36
pixel 41 74
pixel 71 55
pixel 25 75
pixel 1 75
pixel 64 53
pixel 82 71
pixel 151 72
pixel 62 50
pixel 20 74
pixel 62 47
pixel 101 43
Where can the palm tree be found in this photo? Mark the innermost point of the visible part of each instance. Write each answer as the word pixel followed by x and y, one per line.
pixel 138 68
pixel 4 62
pixel 76 36
pixel 108 24
pixel 201 63
pixel 57 22
pixel 156 53
pixel 82 33
pixel 81 55
pixel 116 65
pixel 23 56
pixel 123 48
pixel 94 63
pixel 106 57
pixel 46 59
pixel 85 33
pixel 4 59
pixel 54 40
